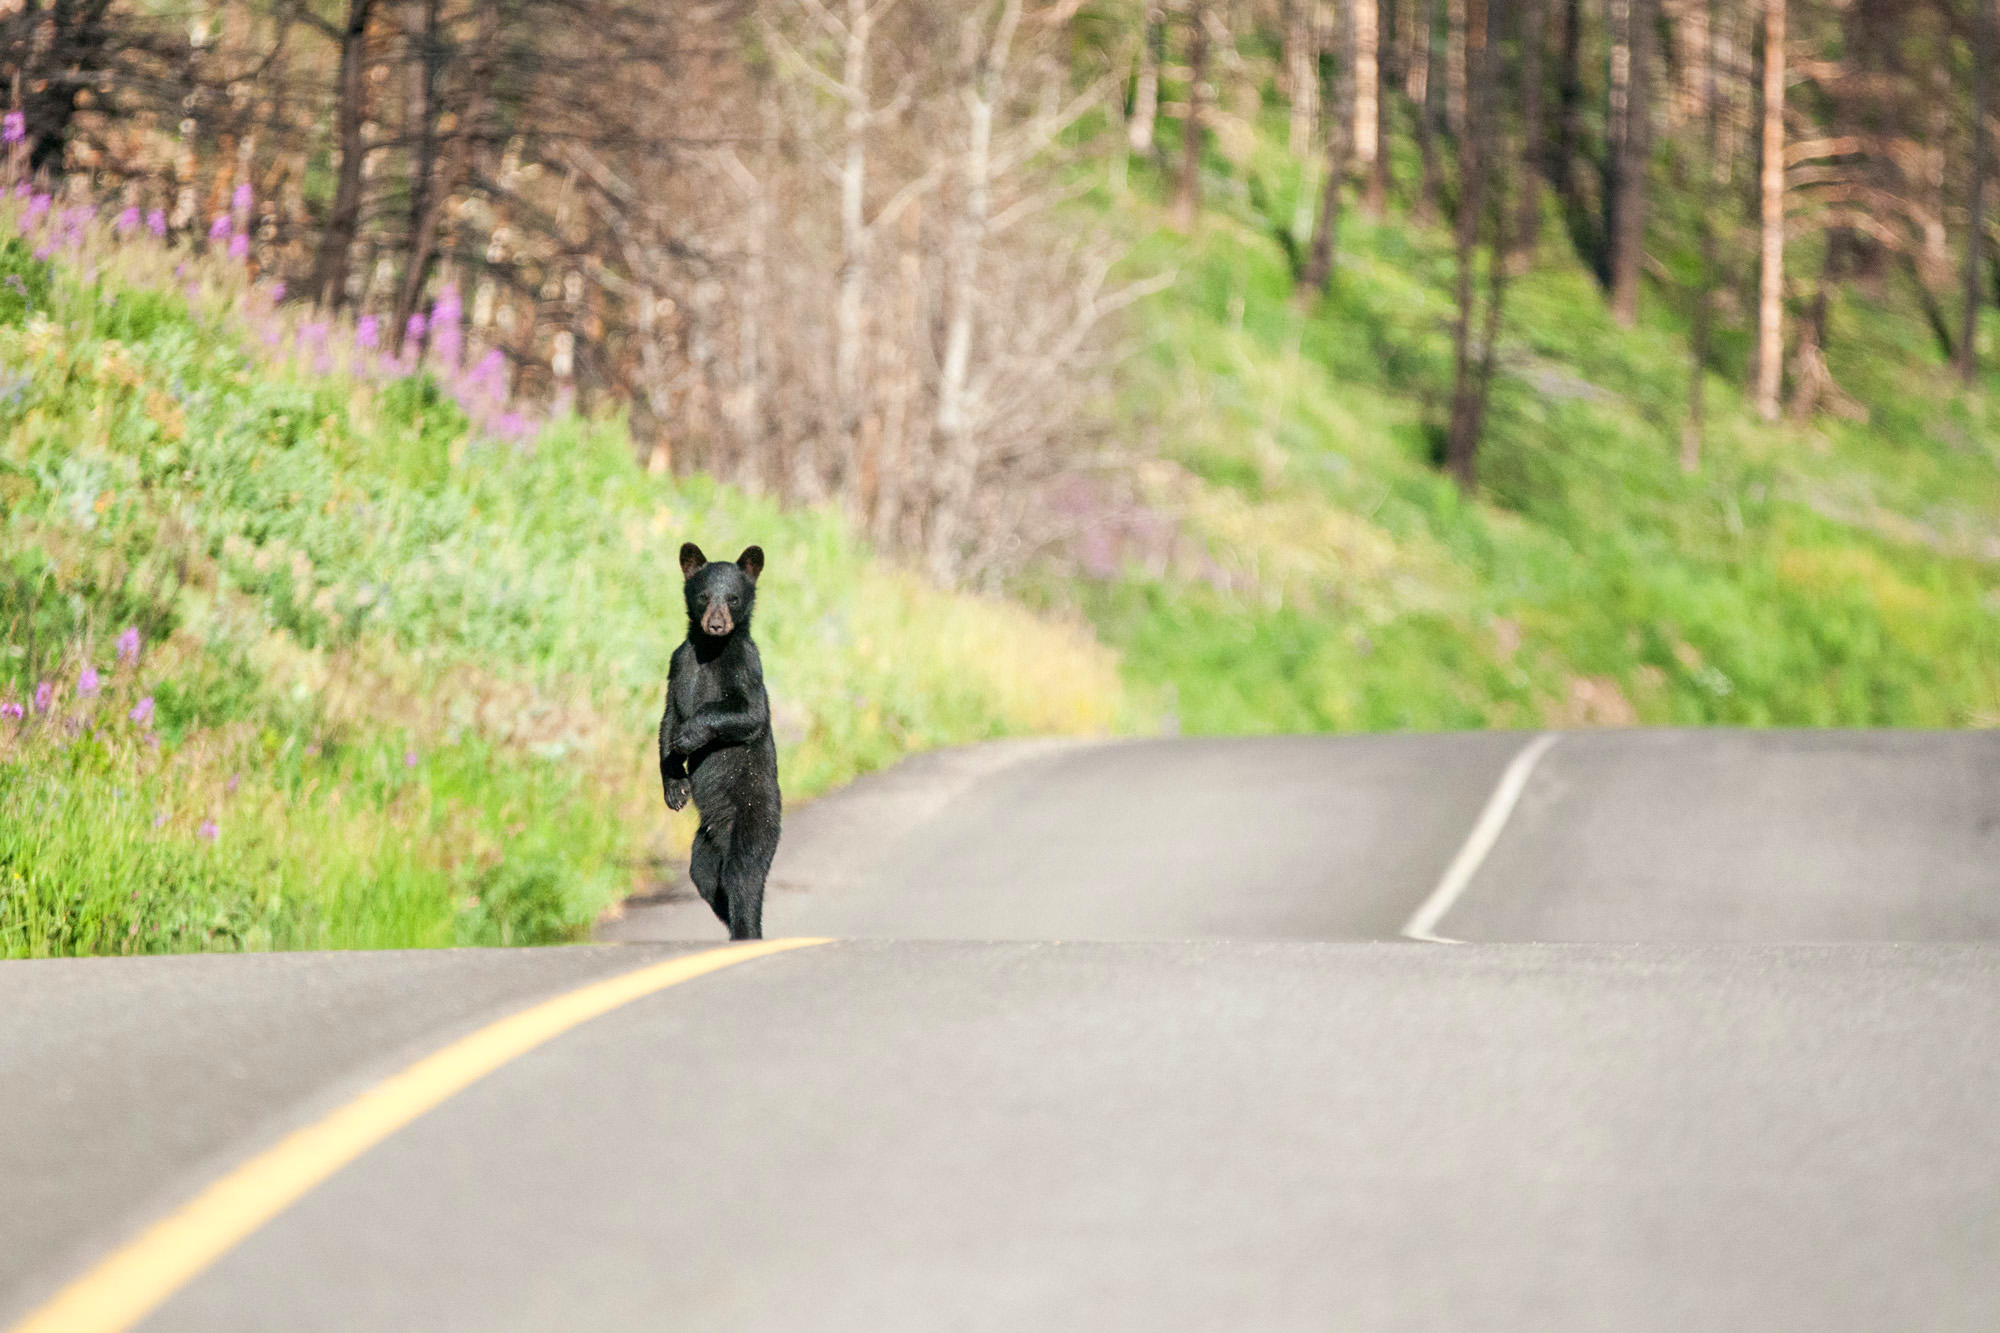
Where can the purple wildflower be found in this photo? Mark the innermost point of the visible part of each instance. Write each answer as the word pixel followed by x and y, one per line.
pixel 38 204
pixel 312 334
pixel 160 819
pixel 235 781
pixel 12 710
pixel 209 830
pixel 13 127
pixel 368 333
pixel 243 197
pixel 277 292
pixel 128 220
pixel 156 222
pixel 239 246
pixel 447 343
pixel 86 681
pixel 414 330
pixel 45 250
pixel 409 759
pixel 488 379
pixel 219 227
pixel 44 693
pixel 142 712
pixel 128 645
pixel 510 425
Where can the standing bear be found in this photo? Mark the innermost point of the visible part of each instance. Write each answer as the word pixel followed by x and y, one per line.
pixel 715 740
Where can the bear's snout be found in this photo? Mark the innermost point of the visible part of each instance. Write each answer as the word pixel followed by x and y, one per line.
pixel 716 620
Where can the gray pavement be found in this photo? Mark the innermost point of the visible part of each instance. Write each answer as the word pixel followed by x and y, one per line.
pixel 1217 1105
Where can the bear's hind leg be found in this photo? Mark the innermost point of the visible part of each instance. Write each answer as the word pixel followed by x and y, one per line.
pixel 705 868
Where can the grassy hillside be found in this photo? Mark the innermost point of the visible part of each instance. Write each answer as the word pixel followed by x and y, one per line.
pixel 302 659
pixel 1835 572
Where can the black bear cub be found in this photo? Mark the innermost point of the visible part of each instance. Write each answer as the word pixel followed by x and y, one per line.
pixel 715 740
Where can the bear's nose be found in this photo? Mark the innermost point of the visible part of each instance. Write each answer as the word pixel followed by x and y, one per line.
pixel 716 619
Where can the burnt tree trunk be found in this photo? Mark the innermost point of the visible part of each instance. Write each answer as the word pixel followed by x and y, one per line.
pixel 336 243
pixel 1187 193
pixel 1429 112
pixel 1975 200
pixel 420 245
pixel 1479 194
pixel 1627 230
pixel 1528 226
pixel 1694 433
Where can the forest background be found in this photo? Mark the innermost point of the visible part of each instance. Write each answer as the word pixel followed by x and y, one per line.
pixel 1219 365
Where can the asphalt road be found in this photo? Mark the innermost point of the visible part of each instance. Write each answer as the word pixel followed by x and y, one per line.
pixel 1127 1037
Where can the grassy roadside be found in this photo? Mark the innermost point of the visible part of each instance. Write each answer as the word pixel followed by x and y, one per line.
pixel 299 659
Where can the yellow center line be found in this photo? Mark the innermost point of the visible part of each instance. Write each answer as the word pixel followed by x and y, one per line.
pixel 136 1279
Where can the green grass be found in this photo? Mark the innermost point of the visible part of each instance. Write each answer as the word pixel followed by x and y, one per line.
pixel 396 684
pixel 1824 573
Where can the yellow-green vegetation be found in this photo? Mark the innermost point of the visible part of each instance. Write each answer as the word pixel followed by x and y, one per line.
pixel 299 660
pixel 1839 570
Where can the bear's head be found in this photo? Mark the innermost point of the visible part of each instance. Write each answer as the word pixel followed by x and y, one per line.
pixel 720 594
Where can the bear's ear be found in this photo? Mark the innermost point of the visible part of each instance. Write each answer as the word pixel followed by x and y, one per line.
pixel 691 560
pixel 752 561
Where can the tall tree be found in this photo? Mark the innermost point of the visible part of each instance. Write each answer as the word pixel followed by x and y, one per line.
pixel 1694 432
pixel 1187 192
pixel 1771 271
pixel 1390 76
pixel 1568 145
pixel 1430 107
pixel 343 223
pixel 1482 207
pixel 1365 50
pixel 1975 199
pixel 1528 226
pixel 1632 114
pixel 1339 153
pixel 1146 89
pixel 1302 43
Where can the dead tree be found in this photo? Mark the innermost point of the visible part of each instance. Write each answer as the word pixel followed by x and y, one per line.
pixel 1771 276
pixel 1975 191
pixel 1187 191
pixel 1481 208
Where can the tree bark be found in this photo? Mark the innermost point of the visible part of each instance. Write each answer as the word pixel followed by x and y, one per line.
pixel 1187 193
pixel 1454 66
pixel 1569 128
pixel 336 243
pixel 1694 433
pixel 1390 75
pixel 1771 276
pixel 1367 83
pixel 1975 201
pixel 1302 57
pixel 850 314
pixel 1634 151
pixel 1472 375
pixel 1146 88
pixel 968 236
pixel 1339 145
pixel 1528 226
pixel 1428 112
pixel 423 180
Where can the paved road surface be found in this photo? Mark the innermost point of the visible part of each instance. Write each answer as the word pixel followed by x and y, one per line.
pixel 1231 1098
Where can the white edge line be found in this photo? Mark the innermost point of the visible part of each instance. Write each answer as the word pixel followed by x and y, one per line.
pixel 1457 875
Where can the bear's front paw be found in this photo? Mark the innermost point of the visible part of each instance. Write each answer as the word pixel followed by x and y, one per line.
pixel 678 792
pixel 692 738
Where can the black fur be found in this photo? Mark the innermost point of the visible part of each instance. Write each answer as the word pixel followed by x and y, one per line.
pixel 715 740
